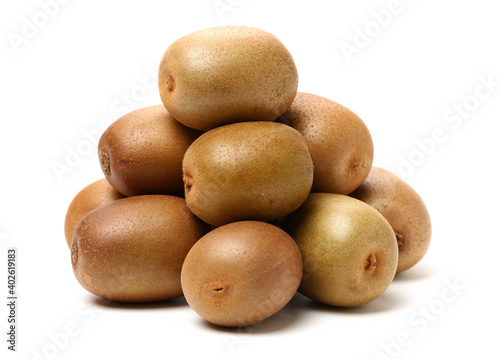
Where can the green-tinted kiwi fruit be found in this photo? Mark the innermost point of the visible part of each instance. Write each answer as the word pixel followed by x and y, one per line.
pixel 241 273
pixel 95 195
pixel 349 249
pixel 339 142
pixel 227 74
pixel 132 249
pixel 141 152
pixel 247 171
pixel 405 211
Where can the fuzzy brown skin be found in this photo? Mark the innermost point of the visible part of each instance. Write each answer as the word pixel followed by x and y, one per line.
pixel 339 142
pixel 132 250
pixel 142 152
pixel 349 250
pixel 227 74
pixel 247 171
pixel 91 197
pixel 241 273
pixel 403 208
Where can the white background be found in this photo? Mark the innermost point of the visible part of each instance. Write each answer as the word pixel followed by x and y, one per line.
pixel 87 63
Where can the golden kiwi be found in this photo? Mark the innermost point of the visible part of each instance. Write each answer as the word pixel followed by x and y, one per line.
pixel 227 74
pixel 141 152
pixel 405 211
pixel 247 171
pixel 91 197
pixel 349 249
pixel 241 273
pixel 132 249
pixel 339 142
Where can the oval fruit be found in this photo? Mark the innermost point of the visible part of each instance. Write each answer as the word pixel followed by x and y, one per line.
pixel 91 197
pixel 405 211
pixel 141 152
pixel 247 171
pixel 241 273
pixel 339 142
pixel 132 250
pixel 349 249
pixel 227 74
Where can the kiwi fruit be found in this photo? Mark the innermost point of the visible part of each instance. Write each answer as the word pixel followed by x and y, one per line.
pixel 236 191
pixel 132 249
pixel 405 211
pixel 247 171
pixel 241 273
pixel 339 142
pixel 349 249
pixel 94 195
pixel 141 152
pixel 227 74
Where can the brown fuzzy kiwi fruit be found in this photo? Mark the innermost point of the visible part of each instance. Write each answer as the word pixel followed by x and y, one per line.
pixel 405 211
pixel 241 273
pixel 132 250
pixel 349 249
pixel 141 152
pixel 339 142
pixel 247 171
pixel 227 74
pixel 95 195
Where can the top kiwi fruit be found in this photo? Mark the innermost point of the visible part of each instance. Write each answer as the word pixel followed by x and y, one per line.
pixel 227 74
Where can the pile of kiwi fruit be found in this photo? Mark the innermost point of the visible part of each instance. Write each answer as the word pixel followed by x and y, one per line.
pixel 237 191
